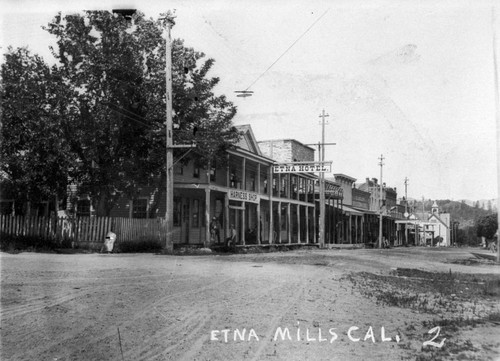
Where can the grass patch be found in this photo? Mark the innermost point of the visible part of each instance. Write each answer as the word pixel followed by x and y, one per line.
pixel 458 301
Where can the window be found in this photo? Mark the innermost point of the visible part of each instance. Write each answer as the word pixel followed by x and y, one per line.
pixel 275 184
pixel 233 178
pixel 179 169
pixel 213 173
pixel 83 208
pixel 284 186
pixel 177 211
pixel 251 185
pixel 140 208
pixel 196 172
pixel 295 186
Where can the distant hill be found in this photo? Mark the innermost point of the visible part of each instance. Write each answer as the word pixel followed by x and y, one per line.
pixel 466 214
pixel 488 204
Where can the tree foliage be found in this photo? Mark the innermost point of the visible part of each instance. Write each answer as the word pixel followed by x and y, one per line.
pixel 35 157
pixel 107 104
pixel 487 226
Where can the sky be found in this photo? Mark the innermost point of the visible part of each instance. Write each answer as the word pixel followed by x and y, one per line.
pixel 410 80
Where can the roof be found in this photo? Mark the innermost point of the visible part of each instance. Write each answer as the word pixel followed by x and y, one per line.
pixel 248 141
pixel 341 175
pixel 439 219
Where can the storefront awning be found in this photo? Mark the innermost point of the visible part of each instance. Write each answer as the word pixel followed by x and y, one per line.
pixel 351 211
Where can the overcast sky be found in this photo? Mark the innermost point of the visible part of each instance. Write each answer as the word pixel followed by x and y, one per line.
pixel 413 81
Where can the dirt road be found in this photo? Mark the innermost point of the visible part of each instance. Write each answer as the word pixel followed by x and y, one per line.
pixel 275 306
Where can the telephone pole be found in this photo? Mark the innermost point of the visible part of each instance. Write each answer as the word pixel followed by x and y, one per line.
pixel 169 212
pixel 381 163
pixel 406 210
pixel 321 239
pixel 497 116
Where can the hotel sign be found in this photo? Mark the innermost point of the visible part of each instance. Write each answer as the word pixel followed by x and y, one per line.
pixel 303 167
pixel 238 195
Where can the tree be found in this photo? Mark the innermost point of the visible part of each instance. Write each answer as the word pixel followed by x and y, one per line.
pixel 35 157
pixel 487 226
pixel 114 74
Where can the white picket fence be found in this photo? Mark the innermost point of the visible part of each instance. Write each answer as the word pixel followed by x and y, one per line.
pixel 83 231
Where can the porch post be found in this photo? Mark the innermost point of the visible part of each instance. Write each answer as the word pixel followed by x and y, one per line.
pixel 270 195
pixel 279 221
pixel 289 220
pixel 258 206
pixel 307 223
pixel 298 223
pixel 349 231
pixel 243 222
pixel 226 217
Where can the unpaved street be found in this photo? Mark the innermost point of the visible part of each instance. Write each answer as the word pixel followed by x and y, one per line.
pixel 273 306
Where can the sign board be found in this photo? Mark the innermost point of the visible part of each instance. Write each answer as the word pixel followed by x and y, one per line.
pixel 239 195
pixel 303 167
pixel 338 193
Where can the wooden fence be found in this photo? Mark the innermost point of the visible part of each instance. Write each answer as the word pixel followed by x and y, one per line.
pixel 83 231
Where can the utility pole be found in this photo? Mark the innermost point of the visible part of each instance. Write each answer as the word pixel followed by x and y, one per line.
pixel 169 213
pixel 381 163
pixel 406 210
pixel 321 240
pixel 497 116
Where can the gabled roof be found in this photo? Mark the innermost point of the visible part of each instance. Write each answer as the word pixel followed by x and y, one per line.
pixel 248 141
pixel 439 219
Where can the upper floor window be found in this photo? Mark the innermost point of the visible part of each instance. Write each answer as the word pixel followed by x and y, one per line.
pixel 213 173
pixel 251 182
pixel 196 172
pixel 83 208
pixel 140 208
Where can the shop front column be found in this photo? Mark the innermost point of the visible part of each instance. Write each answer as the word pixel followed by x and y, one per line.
pixel 226 217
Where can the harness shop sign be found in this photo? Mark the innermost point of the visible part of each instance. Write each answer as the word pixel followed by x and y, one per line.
pixel 237 195
pixel 303 167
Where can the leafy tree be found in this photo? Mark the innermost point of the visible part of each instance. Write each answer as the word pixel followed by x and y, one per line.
pixel 35 158
pixel 487 226
pixel 114 77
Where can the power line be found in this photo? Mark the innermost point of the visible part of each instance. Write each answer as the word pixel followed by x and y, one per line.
pixel 286 51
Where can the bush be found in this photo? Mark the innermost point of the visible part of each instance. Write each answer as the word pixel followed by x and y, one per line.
pixel 16 243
